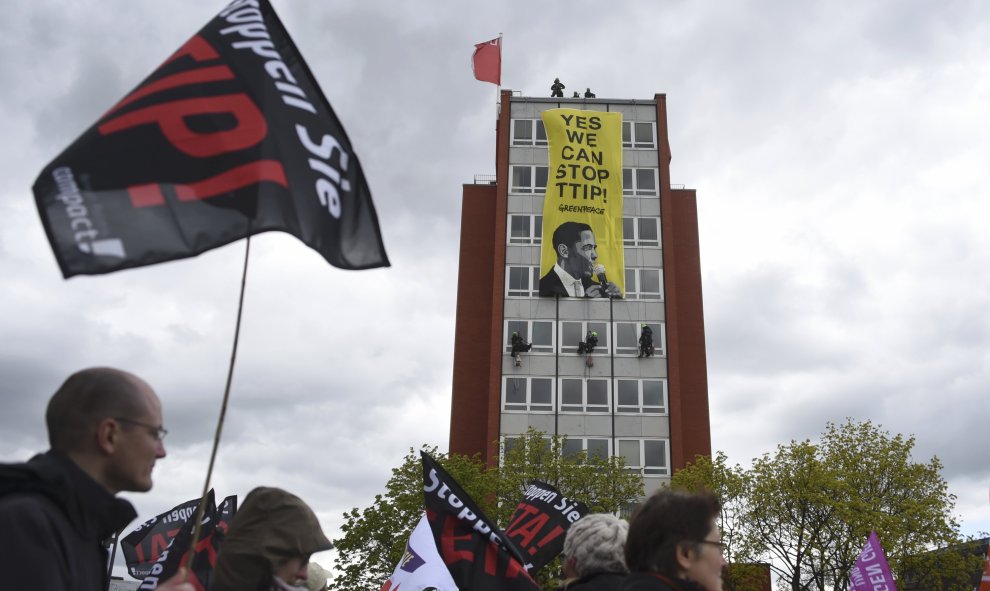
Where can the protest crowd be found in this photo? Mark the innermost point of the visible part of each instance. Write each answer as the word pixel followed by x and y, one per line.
pixel 105 429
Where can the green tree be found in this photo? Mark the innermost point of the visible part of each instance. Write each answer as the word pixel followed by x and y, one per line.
pixel 790 511
pixel 374 538
pixel 906 502
pixel 730 484
pixel 811 507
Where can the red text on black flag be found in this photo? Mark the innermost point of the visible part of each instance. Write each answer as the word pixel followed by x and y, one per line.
pixel 174 116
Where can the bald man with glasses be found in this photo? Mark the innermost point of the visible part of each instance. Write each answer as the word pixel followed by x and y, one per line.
pixel 56 510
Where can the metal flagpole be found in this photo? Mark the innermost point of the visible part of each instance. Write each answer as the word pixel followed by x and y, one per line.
pixel 985 579
pixel 113 556
pixel 223 408
pixel 498 87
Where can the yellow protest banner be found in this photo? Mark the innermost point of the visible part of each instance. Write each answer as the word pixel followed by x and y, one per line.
pixel 582 252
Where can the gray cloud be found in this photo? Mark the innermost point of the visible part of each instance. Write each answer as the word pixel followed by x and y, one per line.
pixel 838 152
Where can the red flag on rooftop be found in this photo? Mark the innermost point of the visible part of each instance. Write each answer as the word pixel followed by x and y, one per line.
pixel 487 61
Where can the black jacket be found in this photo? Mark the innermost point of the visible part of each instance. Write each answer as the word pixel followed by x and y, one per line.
pixel 551 285
pixel 53 518
pixel 655 582
pixel 597 582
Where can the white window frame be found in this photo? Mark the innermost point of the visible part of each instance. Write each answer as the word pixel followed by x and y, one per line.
pixel 535 125
pixel 583 407
pixel 659 338
pixel 643 469
pixel 640 407
pixel 632 189
pixel 537 348
pixel 634 239
pixel 601 326
pixel 532 291
pixel 584 444
pixel 535 229
pixel 633 291
pixel 633 130
pixel 533 188
pixel 528 406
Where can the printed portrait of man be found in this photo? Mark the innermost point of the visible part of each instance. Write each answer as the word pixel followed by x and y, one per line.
pixel 577 255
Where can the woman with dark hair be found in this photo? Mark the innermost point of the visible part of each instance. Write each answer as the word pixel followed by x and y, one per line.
pixel 674 544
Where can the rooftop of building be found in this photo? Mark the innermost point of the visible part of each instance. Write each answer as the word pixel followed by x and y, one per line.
pixel 517 96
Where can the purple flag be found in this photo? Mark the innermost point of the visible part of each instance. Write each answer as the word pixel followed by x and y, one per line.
pixel 871 571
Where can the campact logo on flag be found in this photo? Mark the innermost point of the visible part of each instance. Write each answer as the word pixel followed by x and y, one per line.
pixel 411 561
pixel 78 218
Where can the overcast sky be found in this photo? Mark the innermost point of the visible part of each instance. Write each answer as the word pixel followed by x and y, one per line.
pixel 839 152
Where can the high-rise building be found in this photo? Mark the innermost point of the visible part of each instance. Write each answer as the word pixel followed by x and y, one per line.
pixel 651 410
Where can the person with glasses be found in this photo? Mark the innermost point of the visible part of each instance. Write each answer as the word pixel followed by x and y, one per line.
pixel 674 544
pixel 56 510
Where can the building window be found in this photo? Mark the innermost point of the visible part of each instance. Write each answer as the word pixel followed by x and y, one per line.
pixel 638 134
pixel 584 395
pixel 641 231
pixel 648 457
pixel 595 446
pixel 527 394
pixel 627 338
pixel 537 332
pixel 574 333
pixel 641 396
pixel 522 282
pixel 525 229
pixel 510 442
pixel 639 182
pixel 528 179
pixel 644 284
pixel 528 132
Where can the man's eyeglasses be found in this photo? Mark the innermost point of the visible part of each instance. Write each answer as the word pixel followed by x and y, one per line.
pixel 721 545
pixel 158 433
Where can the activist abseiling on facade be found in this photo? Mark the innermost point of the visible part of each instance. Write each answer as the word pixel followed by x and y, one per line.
pixel 596 172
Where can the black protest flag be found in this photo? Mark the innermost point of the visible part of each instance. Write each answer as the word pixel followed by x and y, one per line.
pixel 216 522
pixel 230 136
pixel 471 545
pixel 143 546
pixel 540 521
pixel 204 558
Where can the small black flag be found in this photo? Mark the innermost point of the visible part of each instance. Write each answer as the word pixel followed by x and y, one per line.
pixel 216 522
pixel 143 546
pixel 540 522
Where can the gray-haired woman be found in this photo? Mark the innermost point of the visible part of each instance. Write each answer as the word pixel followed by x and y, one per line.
pixel 593 553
